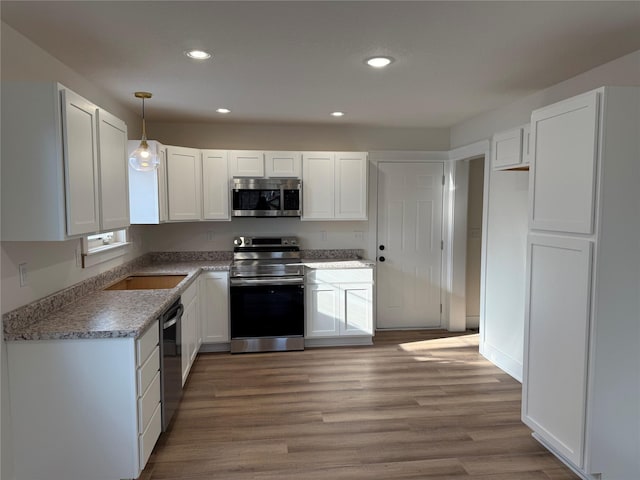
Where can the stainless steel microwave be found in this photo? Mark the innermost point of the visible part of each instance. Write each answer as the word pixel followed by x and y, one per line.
pixel 266 197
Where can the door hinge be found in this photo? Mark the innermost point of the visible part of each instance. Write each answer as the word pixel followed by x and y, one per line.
pixel 440 308
pixel 442 179
pixel 441 244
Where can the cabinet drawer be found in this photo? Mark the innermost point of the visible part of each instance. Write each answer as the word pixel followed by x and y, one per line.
pixel 146 343
pixel 148 371
pixel 150 436
pixel 347 275
pixel 147 404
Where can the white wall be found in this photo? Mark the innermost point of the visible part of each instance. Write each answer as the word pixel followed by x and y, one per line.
pixel 623 71
pixel 311 137
pixel 208 236
pixel 502 319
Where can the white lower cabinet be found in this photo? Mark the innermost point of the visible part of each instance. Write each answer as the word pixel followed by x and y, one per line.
pixel 84 408
pixel 557 327
pixel 214 307
pixel 339 303
pixel 190 330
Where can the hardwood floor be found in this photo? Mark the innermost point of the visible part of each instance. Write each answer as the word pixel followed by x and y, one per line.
pixel 414 406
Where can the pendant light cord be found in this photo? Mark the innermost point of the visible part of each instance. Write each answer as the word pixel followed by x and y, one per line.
pixel 144 129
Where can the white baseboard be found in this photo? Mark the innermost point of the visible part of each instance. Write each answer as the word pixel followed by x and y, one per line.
pixel 338 342
pixel 501 360
pixel 215 347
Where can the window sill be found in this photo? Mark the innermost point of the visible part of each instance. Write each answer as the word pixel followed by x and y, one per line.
pixel 105 253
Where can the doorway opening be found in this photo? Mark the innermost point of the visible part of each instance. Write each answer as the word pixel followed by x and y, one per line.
pixel 474 242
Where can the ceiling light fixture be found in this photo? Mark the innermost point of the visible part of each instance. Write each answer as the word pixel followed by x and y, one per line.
pixel 223 110
pixel 337 114
pixel 379 62
pixel 143 158
pixel 198 54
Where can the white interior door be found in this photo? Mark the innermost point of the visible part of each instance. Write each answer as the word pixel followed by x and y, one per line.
pixel 410 241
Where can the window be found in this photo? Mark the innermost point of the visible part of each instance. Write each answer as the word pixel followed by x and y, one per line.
pixel 102 247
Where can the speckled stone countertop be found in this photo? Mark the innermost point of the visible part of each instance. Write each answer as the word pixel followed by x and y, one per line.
pixel 86 310
pixel 319 264
pixel 113 313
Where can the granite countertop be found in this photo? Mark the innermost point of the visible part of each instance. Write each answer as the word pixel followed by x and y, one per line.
pixel 319 264
pixel 125 313
pixel 114 313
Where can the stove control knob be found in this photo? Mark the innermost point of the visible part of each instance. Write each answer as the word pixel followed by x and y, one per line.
pixel 285 242
pixel 293 241
pixel 237 241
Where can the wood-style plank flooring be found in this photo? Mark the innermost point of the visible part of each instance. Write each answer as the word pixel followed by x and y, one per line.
pixel 416 405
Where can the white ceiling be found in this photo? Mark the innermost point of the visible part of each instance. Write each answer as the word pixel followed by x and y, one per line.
pixel 295 62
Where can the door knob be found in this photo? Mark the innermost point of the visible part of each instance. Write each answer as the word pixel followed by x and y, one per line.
pixel 382 259
pixel 381 247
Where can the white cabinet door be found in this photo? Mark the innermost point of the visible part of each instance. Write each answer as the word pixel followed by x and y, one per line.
pixel 215 185
pixel 189 330
pixel 323 311
pixel 356 306
pixel 282 164
pixel 184 170
pixel 246 163
pixel 351 186
pixel 526 145
pixel 114 191
pixel 163 193
pixel 557 336
pixel 506 149
pixel 214 307
pixel 318 185
pixel 562 186
pixel 80 163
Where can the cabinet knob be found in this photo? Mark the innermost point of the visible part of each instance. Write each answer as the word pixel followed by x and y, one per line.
pixel 382 259
pixel 381 247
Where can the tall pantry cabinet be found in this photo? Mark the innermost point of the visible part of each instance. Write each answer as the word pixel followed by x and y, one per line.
pixel 581 386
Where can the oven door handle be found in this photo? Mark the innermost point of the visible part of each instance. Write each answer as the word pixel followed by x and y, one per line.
pixel 248 282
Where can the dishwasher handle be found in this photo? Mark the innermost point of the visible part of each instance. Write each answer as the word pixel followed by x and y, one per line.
pixel 174 317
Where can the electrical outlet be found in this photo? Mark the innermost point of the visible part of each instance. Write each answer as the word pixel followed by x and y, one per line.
pixel 22 271
pixel 323 236
pixel 358 235
pixel 210 236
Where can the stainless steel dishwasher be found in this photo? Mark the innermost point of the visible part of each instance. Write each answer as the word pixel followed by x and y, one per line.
pixel 171 365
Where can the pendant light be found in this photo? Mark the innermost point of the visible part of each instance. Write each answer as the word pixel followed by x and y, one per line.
pixel 143 158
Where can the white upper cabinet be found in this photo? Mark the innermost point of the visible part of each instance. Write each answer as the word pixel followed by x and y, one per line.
pixel 79 120
pixel 510 149
pixel 112 149
pixel 184 183
pixel 50 164
pixel 351 186
pixel 562 185
pixel 282 164
pixel 318 185
pixel 334 185
pixel 246 163
pixel 215 185
pixel 148 190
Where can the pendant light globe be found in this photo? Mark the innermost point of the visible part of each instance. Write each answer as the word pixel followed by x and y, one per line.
pixel 143 158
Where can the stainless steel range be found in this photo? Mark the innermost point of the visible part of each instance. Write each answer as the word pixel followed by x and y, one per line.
pixel 267 295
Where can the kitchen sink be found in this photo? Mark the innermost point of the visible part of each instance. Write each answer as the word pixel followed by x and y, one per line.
pixel 147 282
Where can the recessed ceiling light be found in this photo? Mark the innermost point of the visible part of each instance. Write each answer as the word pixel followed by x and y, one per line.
pixel 223 110
pixel 337 114
pixel 197 54
pixel 379 62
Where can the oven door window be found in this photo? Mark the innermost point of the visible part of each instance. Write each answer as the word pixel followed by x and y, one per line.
pixel 256 200
pixel 267 311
